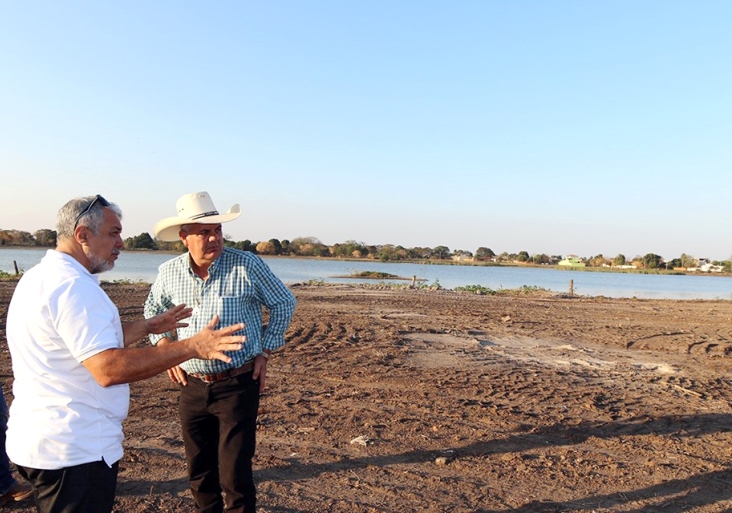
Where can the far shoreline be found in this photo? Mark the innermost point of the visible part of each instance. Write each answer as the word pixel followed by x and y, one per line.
pixel 436 262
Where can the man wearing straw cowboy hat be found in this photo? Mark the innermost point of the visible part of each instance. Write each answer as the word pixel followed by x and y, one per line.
pixel 219 401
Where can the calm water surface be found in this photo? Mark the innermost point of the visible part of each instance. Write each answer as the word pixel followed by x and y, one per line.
pixel 142 266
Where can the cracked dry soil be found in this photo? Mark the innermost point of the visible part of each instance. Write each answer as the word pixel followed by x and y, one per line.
pixel 436 401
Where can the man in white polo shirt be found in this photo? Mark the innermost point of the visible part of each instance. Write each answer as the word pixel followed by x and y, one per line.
pixel 71 367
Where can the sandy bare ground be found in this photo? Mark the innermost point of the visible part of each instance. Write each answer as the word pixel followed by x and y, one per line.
pixel 435 401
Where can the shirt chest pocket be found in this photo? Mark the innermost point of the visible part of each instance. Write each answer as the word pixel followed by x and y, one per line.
pixel 231 310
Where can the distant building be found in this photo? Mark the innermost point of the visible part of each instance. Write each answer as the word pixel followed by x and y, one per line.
pixel 571 261
pixel 462 258
pixel 707 268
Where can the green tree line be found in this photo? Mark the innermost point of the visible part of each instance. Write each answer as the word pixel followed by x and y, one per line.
pixel 313 247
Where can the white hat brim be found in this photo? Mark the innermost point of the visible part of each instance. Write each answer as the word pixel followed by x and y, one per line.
pixel 168 229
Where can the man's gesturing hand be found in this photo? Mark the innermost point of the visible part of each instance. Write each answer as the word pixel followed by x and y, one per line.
pixel 210 343
pixel 169 320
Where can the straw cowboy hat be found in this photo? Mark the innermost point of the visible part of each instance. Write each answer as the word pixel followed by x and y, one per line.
pixel 194 208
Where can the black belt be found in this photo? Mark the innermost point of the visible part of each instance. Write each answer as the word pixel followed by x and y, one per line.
pixel 228 373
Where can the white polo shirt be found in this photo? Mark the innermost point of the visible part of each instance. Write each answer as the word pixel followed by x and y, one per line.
pixel 60 416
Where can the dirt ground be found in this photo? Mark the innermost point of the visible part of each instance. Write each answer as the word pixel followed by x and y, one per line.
pixel 436 401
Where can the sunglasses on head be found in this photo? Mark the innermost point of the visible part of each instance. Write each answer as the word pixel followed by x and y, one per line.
pixel 98 199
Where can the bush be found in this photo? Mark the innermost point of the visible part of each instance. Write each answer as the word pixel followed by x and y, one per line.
pixel 476 289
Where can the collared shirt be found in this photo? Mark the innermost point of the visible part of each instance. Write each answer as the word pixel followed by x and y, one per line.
pixel 239 284
pixel 60 416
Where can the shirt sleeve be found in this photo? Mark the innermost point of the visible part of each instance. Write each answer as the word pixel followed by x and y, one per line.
pixel 280 302
pixel 156 303
pixel 86 320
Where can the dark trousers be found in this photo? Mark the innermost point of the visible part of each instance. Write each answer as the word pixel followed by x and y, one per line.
pixel 6 476
pixel 87 488
pixel 219 423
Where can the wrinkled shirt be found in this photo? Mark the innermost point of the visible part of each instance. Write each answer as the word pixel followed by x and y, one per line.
pixel 238 286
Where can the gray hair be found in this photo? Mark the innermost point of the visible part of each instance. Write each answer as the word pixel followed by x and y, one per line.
pixel 66 219
pixel 186 228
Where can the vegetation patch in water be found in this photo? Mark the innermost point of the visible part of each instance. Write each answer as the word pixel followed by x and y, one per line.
pixel 373 275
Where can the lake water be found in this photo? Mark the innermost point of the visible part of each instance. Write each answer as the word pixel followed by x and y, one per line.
pixel 142 266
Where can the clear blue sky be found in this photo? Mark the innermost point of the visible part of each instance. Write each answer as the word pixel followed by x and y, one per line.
pixel 548 127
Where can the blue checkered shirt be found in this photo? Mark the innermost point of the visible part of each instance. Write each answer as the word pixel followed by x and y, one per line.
pixel 239 285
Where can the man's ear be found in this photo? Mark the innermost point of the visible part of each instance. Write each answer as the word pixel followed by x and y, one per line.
pixel 81 234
